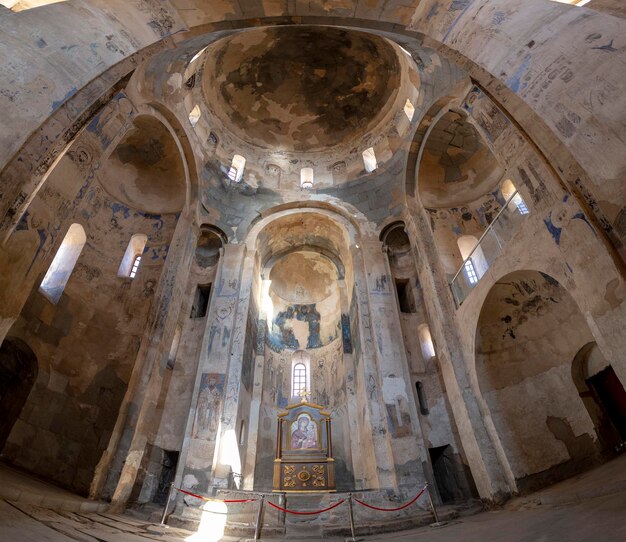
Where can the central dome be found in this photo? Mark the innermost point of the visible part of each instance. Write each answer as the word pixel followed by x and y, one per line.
pixel 300 89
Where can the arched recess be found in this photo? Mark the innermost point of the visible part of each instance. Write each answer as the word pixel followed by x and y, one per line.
pixel 303 285
pixel 18 372
pixel 146 170
pixel 529 331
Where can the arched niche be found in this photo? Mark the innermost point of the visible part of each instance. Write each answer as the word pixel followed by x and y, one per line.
pixel 529 331
pixel 145 170
pixel 18 372
pixel 456 166
pixel 210 241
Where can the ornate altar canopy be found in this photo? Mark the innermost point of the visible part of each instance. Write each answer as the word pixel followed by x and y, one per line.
pixel 304 450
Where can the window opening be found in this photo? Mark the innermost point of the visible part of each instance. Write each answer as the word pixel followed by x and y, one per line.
pixel 306 178
pixel 409 110
pixel 421 397
pixel 242 432
pixel 201 301
pixel 299 379
pixel 426 342
pixel 171 357
pixel 62 265
pixel 195 114
pixel 470 272
pixel 369 159
pixel 132 257
pixel 235 173
pixel 509 192
pixel 405 296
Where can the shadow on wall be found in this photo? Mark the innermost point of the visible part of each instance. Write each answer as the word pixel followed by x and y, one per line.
pixel 18 372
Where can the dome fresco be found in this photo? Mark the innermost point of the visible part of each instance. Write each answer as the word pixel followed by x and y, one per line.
pixel 300 89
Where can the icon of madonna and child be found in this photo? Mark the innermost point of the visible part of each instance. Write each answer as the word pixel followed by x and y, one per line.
pixel 304 433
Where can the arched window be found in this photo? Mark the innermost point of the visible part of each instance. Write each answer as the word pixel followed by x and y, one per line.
pixel 369 159
pixel 509 192
pixel 235 173
pixel 306 178
pixel 299 379
pixel 300 374
pixel 475 264
pixel 62 265
pixel 409 109
pixel 195 114
pixel 132 257
pixel 426 341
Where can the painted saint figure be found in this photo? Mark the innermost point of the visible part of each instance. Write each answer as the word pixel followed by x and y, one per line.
pixel 304 436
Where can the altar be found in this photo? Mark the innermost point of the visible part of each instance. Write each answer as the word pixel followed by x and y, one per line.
pixel 304 453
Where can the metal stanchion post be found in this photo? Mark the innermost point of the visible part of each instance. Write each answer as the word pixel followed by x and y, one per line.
pixel 437 523
pixel 259 519
pixel 351 517
pixel 167 503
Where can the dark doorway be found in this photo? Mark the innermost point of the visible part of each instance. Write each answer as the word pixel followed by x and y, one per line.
pixel 18 372
pixel 168 470
pixel 443 463
pixel 201 301
pixel 611 396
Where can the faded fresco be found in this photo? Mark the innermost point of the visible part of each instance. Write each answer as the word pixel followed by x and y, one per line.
pixel 208 407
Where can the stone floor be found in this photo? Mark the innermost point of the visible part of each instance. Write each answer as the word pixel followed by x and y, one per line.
pixel 589 507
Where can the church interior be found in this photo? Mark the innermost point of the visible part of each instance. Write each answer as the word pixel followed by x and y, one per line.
pixel 292 254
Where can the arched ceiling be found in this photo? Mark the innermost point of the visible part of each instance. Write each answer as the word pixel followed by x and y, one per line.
pixel 303 277
pixel 300 89
pixel 456 166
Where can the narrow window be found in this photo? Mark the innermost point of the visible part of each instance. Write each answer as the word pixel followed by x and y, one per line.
pixel 475 263
pixel 299 379
pixel 242 432
pixel 132 257
pixel 578 3
pixel 306 178
pixel 300 374
pixel 509 192
pixel 201 301
pixel 62 265
pixel 426 342
pixel 235 173
pixel 470 272
pixel 195 114
pixel 197 55
pixel 171 357
pixel 421 397
pixel 409 110
pixel 405 296
pixel 369 159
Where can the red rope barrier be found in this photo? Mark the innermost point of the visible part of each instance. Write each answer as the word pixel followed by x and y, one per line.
pixel 208 499
pixel 391 509
pixel 306 513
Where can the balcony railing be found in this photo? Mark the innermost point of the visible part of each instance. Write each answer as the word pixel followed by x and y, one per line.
pixel 490 245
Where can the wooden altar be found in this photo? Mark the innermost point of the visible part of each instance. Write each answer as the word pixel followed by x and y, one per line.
pixel 304 452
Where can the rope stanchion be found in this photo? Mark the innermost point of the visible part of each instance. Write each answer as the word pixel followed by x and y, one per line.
pixel 210 499
pixel 259 519
pixel 393 509
pixel 167 503
pixel 296 512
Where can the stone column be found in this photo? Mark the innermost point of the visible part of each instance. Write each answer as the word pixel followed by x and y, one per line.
pixel 489 466
pixel 397 399
pixel 226 457
pixel 210 414
pixel 378 470
pixel 255 407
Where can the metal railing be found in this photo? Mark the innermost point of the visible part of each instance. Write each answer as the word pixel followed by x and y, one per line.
pixel 490 245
